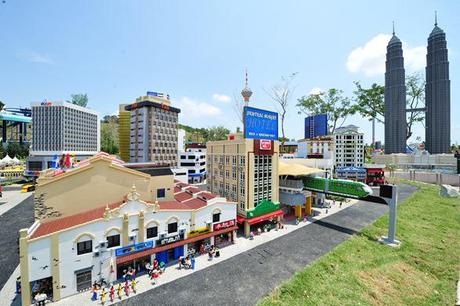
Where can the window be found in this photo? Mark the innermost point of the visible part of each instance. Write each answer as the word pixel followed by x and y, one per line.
pixel 161 193
pixel 84 247
pixel 152 232
pixel 113 241
pixel 216 217
pixel 172 227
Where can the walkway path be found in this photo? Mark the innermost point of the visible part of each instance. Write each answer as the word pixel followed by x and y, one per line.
pixel 250 269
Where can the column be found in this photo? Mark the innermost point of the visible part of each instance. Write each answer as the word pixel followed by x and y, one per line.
pixel 141 230
pixel 24 267
pixel 247 229
pixel 298 211
pixel 308 206
pixel 125 232
pixel 55 269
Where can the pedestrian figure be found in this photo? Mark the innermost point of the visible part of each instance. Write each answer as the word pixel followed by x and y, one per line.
pixel 193 262
pixel 94 295
pixel 112 294
pixel 340 204
pixel 103 296
pixel 327 210
pixel 119 291
pixel 126 288
pixel 133 285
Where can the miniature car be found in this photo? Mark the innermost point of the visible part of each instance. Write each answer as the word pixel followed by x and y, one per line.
pixel 27 188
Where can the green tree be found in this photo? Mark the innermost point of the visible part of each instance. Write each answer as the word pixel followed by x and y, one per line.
pixel 369 102
pixel 2 105
pixel 79 99
pixel 216 133
pixel 332 102
pixel 109 136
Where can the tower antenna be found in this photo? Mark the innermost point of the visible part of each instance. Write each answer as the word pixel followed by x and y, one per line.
pixel 435 18
pixel 393 27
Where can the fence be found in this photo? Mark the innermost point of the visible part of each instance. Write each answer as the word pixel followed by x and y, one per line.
pixel 429 177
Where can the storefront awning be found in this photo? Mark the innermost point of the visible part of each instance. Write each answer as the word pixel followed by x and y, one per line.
pixel 127 258
pixel 262 218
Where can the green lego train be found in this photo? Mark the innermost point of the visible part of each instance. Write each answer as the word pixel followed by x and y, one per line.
pixel 337 187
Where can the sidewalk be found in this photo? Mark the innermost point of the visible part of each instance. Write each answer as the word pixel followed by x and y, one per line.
pixel 202 262
pixel 11 198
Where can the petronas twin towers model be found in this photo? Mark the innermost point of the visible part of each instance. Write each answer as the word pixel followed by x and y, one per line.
pixel 437 96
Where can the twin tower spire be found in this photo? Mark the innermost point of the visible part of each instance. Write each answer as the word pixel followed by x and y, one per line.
pixel 437 95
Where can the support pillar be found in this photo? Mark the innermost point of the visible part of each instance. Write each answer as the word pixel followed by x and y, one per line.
pixel 247 229
pixel 24 267
pixel 298 211
pixel 55 268
pixel 125 232
pixel 308 201
pixel 141 230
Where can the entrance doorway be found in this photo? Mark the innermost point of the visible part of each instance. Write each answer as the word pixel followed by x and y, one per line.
pixel 84 280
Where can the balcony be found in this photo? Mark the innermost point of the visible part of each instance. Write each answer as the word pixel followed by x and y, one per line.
pixel 296 184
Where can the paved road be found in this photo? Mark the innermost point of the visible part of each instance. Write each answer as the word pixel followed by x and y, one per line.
pixel 20 216
pixel 244 279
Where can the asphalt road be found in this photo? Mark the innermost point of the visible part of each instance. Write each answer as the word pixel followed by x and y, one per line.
pixel 20 216
pixel 246 278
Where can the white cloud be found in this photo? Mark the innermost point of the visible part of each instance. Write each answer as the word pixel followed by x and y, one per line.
pixel 315 91
pixel 194 109
pixel 35 57
pixel 221 98
pixel 370 58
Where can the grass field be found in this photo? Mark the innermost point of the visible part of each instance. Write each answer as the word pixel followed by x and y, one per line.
pixel 361 271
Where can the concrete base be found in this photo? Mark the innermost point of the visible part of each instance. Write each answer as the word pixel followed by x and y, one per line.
pixel 395 243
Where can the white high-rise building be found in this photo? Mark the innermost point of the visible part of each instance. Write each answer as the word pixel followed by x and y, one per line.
pixel 194 160
pixel 62 128
pixel 349 147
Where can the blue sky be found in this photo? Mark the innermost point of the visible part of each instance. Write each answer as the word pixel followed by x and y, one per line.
pixel 197 51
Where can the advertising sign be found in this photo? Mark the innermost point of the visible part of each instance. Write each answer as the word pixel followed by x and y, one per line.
pixel 198 231
pixel 265 144
pixel 133 248
pixel 170 239
pixel 260 124
pixel 223 225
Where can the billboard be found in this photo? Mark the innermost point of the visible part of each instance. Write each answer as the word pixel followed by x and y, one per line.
pixel 315 126
pixel 260 124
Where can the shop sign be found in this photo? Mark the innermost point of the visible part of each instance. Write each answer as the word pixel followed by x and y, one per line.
pixel 133 248
pixel 170 239
pixel 265 144
pixel 223 225
pixel 198 231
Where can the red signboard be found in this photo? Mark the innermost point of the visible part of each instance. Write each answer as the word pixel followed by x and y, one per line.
pixel 265 145
pixel 223 225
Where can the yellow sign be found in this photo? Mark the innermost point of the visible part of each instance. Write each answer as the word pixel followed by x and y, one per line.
pixel 198 231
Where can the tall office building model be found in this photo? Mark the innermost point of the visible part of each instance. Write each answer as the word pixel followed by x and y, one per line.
pixel 153 130
pixel 349 147
pixel 124 118
pixel 62 128
pixel 437 94
pixel 395 98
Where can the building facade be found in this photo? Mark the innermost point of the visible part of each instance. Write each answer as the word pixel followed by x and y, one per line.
pixel 395 98
pixel 437 94
pixel 153 130
pixel 322 147
pixel 67 255
pixel 194 160
pixel 62 128
pixel 124 118
pixel 349 147
pixel 245 171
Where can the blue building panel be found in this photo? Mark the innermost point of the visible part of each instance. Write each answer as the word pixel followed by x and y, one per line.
pixel 292 199
pixel 316 125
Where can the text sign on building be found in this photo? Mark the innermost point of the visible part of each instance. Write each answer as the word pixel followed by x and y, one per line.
pixel 265 145
pixel 171 239
pixel 260 124
pixel 133 248
pixel 223 225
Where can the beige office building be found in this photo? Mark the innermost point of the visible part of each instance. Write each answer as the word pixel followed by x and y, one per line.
pixel 244 171
pixel 153 130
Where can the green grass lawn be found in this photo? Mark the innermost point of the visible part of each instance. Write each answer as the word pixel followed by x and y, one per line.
pixel 361 271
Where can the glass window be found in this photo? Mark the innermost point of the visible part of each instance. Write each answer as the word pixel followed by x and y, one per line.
pixel 84 247
pixel 172 227
pixel 113 241
pixel 152 232
pixel 216 217
pixel 161 193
